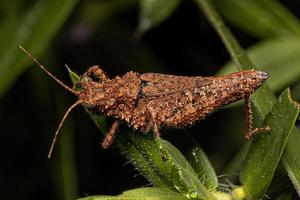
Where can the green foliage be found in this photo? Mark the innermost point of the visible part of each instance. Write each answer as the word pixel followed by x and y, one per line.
pixel 185 172
pixel 142 193
pixel 33 30
pixel 153 12
pixel 266 149
pixel 291 158
pixel 260 163
pixel 263 18
pixel 163 165
pixel 198 159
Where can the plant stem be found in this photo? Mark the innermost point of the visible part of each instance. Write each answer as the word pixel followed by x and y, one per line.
pixel 231 44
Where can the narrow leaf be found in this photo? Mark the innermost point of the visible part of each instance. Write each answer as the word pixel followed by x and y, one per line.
pixel 263 99
pixel 73 76
pixel 37 27
pixel 196 157
pixel 188 181
pixel 261 18
pixel 203 167
pixel 142 193
pixel 266 149
pixel 154 12
pixel 291 158
pixel 162 164
pixel 145 153
pixel 260 99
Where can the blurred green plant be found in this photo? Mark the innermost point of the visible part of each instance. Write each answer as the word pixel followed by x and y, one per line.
pixel 188 174
pixel 166 167
pixel 154 12
pixel 33 29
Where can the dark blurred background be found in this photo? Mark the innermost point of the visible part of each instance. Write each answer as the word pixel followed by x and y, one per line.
pixel 100 33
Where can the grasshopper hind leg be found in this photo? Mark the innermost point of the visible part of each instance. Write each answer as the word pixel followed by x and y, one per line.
pixel 250 131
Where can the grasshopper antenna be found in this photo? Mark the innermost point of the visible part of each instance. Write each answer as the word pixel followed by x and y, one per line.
pixel 64 86
pixel 47 72
pixel 60 126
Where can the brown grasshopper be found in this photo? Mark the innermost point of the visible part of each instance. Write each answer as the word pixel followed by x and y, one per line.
pixel 149 101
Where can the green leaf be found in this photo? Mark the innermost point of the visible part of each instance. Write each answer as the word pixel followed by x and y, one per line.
pixel 162 164
pixel 260 18
pixel 263 99
pixel 154 12
pixel 94 13
pixel 73 76
pixel 291 158
pixel 266 149
pixel 202 167
pixel 34 30
pixel 142 193
pixel 146 154
pixel 188 181
pixel 196 157
pixel 287 52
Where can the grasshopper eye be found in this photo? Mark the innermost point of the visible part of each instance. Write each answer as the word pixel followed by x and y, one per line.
pixel 96 74
pixel 94 77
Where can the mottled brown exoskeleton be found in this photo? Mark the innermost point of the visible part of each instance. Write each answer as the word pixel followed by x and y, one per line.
pixel 149 101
